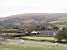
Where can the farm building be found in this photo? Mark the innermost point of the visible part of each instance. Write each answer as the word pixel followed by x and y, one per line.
pixel 34 32
pixel 44 33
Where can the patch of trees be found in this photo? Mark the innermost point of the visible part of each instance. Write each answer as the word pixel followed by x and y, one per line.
pixel 62 34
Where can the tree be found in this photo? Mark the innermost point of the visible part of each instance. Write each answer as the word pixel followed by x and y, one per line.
pixel 62 34
pixel 55 28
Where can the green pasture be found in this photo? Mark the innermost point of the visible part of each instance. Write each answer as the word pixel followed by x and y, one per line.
pixel 12 44
pixel 34 38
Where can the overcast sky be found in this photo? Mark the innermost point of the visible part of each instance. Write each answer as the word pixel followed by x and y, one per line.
pixel 11 7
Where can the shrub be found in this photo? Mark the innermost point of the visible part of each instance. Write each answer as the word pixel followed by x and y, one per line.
pixel 62 34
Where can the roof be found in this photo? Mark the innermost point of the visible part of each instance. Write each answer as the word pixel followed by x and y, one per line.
pixel 34 32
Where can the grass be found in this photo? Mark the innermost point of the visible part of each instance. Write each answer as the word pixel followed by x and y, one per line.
pixel 32 45
pixel 39 38
pixel 34 38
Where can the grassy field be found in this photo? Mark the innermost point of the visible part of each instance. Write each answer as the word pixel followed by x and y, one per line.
pixel 35 38
pixel 12 44
pixel 39 38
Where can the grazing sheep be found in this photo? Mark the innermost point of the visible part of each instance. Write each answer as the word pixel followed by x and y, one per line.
pixel 56 44
pixel 20 41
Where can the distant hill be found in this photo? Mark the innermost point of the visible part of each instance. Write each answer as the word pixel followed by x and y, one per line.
pixel 61 21
pixel 31 18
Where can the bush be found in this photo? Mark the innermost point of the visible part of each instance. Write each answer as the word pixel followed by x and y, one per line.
pixel 62 34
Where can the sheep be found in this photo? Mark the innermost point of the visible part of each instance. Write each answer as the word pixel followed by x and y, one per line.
pixel 56 44
pixel 20 41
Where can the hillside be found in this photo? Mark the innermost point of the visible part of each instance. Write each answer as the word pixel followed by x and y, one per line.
pixel 30 18
pixel 61 21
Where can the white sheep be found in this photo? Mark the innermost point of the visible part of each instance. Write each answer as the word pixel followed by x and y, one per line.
pixel 20 41
pixel 56 44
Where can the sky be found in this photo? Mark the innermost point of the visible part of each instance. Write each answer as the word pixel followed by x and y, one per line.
pixel 12 7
